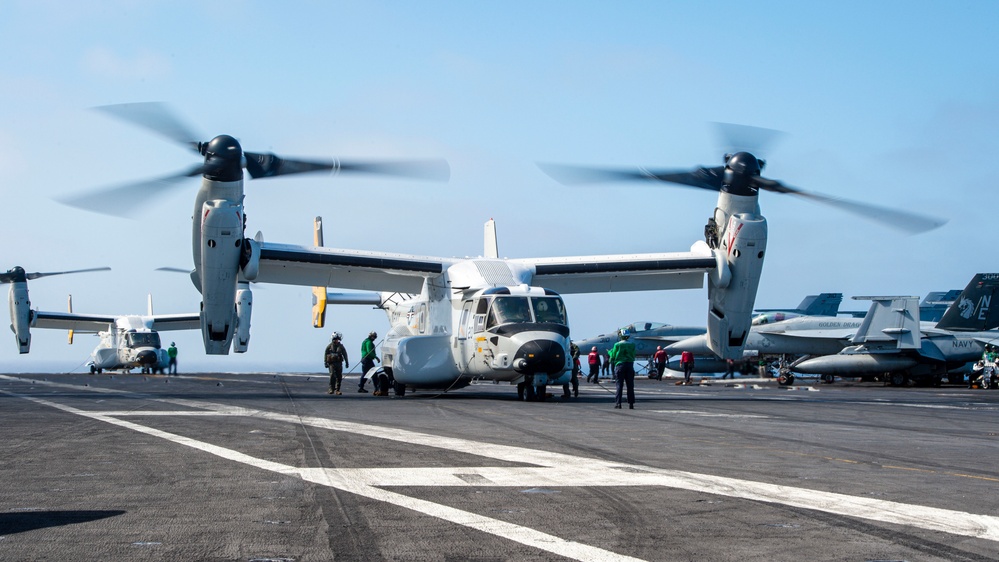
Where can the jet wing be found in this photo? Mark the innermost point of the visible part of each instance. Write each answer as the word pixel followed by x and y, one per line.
pixel 168 322
pixel 621 272
pixel 72 321
pixel 313 266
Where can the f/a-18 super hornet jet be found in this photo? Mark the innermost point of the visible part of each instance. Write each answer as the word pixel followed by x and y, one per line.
pixel 885 342
pixel 486 317
pixel 649 336
pixel 894 344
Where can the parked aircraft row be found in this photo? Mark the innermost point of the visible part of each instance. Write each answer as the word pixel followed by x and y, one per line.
pixel 890 341
pixel 454 320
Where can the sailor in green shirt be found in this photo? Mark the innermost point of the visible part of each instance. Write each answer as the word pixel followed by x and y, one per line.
pixel 368 359
pixel 622 357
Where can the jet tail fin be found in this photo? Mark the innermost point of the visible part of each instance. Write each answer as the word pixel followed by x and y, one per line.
pixel 318 293
pixel 891 323
pixel 823 304
pixel 972 310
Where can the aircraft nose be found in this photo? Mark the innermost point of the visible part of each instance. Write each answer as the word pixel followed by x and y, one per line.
pixel 698 345
pixel 540 356
pixel 146 357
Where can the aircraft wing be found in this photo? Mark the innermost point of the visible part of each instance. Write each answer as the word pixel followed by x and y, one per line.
pixel 72 321
pixel 622 272
pixel 167 322
pixel 314 266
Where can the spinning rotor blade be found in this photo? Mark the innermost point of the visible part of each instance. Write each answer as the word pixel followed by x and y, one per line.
pixel 432 170
pixel 174 270
pixel 15 273
pixel 125 200
pixel 704 178
pixel 736 138
pixel 46 274
pixel 268 165
pixel 156 117
pixel 902 220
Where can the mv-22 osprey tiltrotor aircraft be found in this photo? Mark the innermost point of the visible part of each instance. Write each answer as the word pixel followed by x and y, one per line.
pixel 126 341
pixel 492 318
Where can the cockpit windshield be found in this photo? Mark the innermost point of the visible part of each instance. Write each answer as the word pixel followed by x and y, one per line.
pixel 506 310
pixel 642 327
pixel 769 317
pixel 143 339
pixel 549 309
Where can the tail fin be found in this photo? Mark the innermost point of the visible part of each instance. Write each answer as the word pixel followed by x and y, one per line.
pixel 972 311
pixel 490 247
pixel 70 304
pixel 823 304
pixel 936 303
pixel 318 293
pixel 891 322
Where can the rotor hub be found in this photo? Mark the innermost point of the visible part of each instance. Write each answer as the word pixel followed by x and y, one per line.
pixel 741 169
pixel 223 158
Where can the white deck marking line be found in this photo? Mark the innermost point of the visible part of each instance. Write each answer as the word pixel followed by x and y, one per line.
pixel 502 529
pixel 593 472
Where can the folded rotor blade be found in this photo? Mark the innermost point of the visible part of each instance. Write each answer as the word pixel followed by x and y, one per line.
pixel 902 220
pixel 704 178
pixel 156 117
pixel 125 200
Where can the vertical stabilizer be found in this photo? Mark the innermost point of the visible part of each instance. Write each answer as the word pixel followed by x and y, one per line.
pixel 891 323
pixel 972 311
pixel 490 246
pixel 318 293
pixel 823 304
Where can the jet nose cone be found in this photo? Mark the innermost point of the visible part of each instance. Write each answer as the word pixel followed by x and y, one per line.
pixel 146 357
pixel 540 356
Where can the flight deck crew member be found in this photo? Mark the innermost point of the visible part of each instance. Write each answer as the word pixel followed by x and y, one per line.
pixel 605 369
pixel 172 362
pixel 660 358
pixel 574 354
pixel 687 362
pixel 368 359
pixel 335 359
pixel 622 355
pixel 594 360
pixel 729 369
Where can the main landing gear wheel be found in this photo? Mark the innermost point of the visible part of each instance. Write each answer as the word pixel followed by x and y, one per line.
pixel 785 379
pixel 93 369
pixel 828 379
pixel 897 379
pixel 399 388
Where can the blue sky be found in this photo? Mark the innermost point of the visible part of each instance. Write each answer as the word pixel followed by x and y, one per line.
pixel 888 102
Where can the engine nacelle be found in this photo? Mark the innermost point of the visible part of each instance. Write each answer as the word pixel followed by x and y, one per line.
pixel 732 297
pixel 244 306
pixel 221 247
pixel 20 315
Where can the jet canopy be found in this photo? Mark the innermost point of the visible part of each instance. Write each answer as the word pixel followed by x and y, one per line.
pixel 641 327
